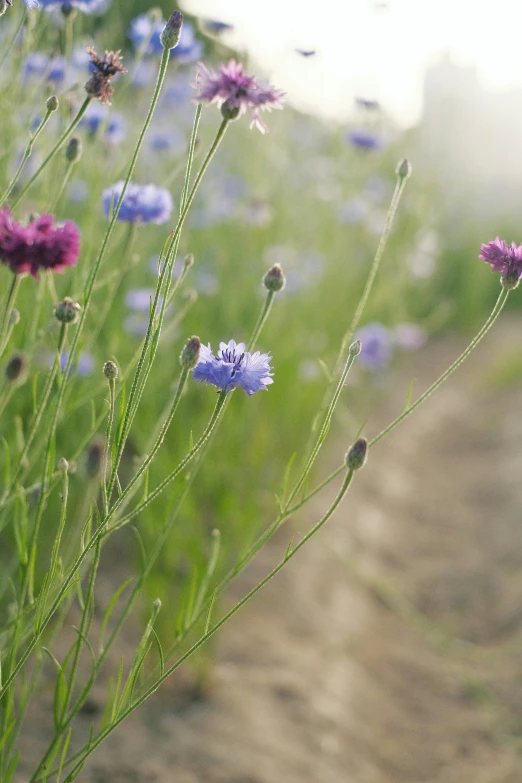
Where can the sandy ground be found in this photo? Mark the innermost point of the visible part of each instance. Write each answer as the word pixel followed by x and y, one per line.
pixel 388 650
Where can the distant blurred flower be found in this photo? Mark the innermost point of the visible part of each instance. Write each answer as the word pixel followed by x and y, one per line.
pixel 104 70
pixel 38 245
pixel 78 191
pixel 206 282
pixel 145 31
pixel 376 346
pixel 140 299
pixel 409 337
pixel 352 211
pixel 234 93
pixel 141 203
pixel 143 73
pixel 215 26
pixel 167 140
pixel 30 3
pixel 364 139
pixel 233 367
pixel 98 115
pixel 136 324
pixel 84 366
pixel 365 103
pixel 257 213
pixel 378 189
pixel 87 6
pixel 503 259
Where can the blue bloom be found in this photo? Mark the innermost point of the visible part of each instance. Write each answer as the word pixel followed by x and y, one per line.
pixel 31 3
pixel 87 6
pixel 233 367
pixel 84 366
pixel 217 27
pixel 141 204
pixel 376 346
pixel 100 115
pixel 145 32
pixel 365 139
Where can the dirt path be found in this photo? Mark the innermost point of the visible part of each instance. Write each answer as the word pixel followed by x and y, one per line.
pixel 389 650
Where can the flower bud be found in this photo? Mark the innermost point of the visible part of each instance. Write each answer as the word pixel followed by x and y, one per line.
pixel 229 112
pixel 16 369
pixel 355 348
pixel 403 170
pixel 73 150
pixel 356 456
pixel 63 466
pixel 67 312
pixel 171 33
pixel 510 280
pixel 110 370
pixel 190 353
pixel 52 103
pixel 274 280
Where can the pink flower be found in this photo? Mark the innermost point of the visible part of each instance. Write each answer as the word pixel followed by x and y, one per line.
pixel 504 259
pixel 234 93
pixel 38 245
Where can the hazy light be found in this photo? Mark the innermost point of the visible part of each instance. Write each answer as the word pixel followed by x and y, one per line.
pixel 376 49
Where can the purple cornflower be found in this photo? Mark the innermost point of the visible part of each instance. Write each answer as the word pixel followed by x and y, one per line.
pixel 141 203
pixel 38 245
pixel 234 93
pixel 376 346
pixel 233 367
pixel 504 259
pixel 364 139
pixel 87 6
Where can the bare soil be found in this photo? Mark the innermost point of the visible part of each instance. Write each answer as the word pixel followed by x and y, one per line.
pixel 389 649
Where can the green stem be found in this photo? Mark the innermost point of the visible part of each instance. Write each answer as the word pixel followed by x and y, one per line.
pixel 61 141
pixel 263 315
pixel 9 303
pixel 26 155
pixel 106 458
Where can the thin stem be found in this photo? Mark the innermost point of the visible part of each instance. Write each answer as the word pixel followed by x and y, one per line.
pixel 61 141
pixel 263 315
pixel 106 458
pixel 9 303
pixel 59 192
pixel 26 155
pixel 94 743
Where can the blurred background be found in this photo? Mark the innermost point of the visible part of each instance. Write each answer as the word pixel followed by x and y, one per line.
pixel 389 651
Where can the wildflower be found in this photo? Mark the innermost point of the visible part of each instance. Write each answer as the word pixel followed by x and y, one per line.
pixel 68 311
pixel 141 203
pixel 190 354
pixel 504 259
pixel 357 454
pixel 110 370
pixel 67 6
pixel 39 245
pixel 364 139
pixel 98 116
pixel 233 367
pixel 171 33
pixel 146 32
pixel 105 69
pixel 234 93
pixel 376 346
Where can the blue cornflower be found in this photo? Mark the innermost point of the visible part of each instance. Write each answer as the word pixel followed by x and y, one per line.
pixel 141 204
pixel 99 114
pixel 233 367
pixel 37 64
pixel 144 31
pixel 28 3
pixel 365 139
pixel 87 6
pixel 376 346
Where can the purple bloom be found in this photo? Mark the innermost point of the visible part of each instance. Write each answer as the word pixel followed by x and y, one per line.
pixel 364 139
pixel 141 204
pixel 237 92
pixel 376 346
pixel 233 367
pixel 39 245
pixel 87 6
pixel 503 259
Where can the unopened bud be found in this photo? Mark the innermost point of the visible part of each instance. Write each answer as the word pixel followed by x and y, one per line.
pixel 171 33
pixel 403 169
pixel 94 463
pixel 188 260
pixel 16 369
pixel 52 103
pixel 274 280
pixel 14 317
pixel 229 111
pixel 510 280
pixel 67 312
pixel 356 456
pixel 157 604
pixel 73 150
pixel 110 370
pixel 63 466
pixel 190 353
pixel 355 348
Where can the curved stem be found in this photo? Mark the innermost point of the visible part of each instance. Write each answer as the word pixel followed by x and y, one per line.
pixel 263 315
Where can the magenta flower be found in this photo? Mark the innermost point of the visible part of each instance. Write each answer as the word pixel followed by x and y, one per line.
pixel 234 93
pixel 38 245
pixel 504 259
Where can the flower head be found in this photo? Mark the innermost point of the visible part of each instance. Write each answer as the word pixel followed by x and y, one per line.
pixel 233 367
pixel 503 259
pixel 141 203
pixel 144 31
pixel 87 6
pixel 234 92
pixel 104 70
pixel 39 245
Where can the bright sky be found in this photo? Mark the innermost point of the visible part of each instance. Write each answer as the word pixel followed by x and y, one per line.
pixel 376 49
